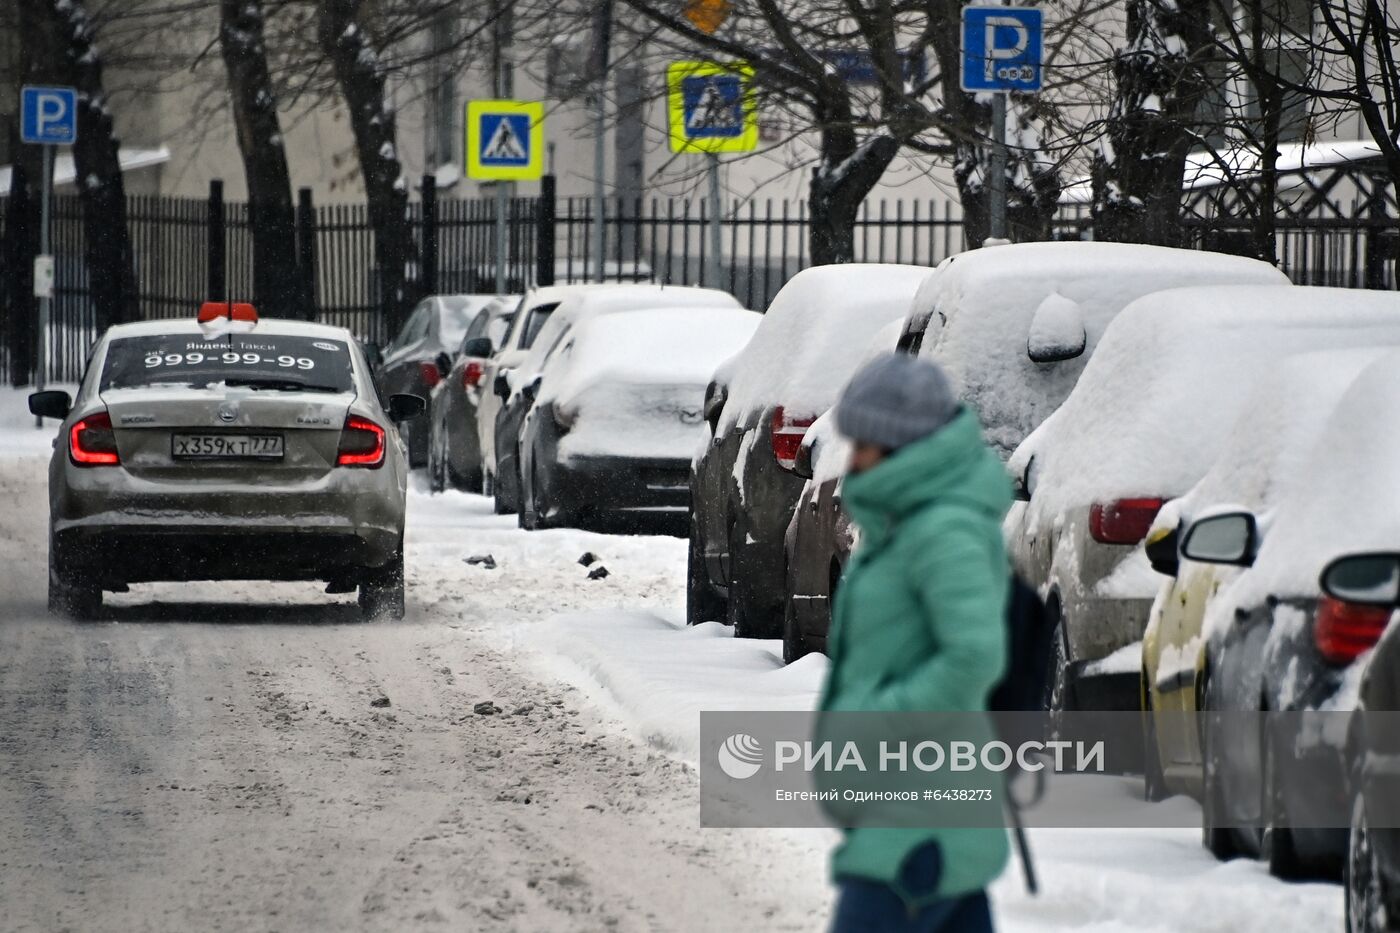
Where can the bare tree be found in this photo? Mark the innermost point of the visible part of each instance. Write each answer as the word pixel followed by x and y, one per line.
pixel 278 283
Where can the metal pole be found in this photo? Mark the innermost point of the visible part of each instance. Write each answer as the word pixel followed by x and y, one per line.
pixel 998 180
pixel 41 359
pixel 602 46
pixel 716 277
pixel 501 204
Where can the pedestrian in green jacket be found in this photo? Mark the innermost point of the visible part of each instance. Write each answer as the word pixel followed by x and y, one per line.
pixel 918 625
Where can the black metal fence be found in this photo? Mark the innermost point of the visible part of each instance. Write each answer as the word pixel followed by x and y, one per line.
pixel 189 249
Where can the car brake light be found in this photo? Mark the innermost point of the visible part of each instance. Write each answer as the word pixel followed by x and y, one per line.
pixel 471 375
pixel 91 441
pixel 1344 631
pixel 1122 521
pixel 787 434
pixel 361 443
pixel 431 375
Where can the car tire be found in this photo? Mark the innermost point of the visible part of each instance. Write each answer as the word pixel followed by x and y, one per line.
pixel 702 603
pixel 1362 879
pixel 1220 841
pixel 529 514
pixel 79 602
pixel 743 616
pixel 437 482
pixel 1276 842
pixel 794 644
pixel 381 593
pixel 1057 688
pixel 1154 782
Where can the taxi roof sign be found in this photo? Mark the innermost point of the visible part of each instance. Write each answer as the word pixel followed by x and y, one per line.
pixel 505 140
pixel 711 107
pixel 233 310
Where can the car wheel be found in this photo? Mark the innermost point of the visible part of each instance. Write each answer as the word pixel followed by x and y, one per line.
pixel 1057 688
pixel 1219 840
pixel 382 591
pixel 79 601
pixel 529 515
pixel 1276 842
pixel 1365 898
pixel 794 645
pixel 1154 782
pixel 702 603
pixel 436 469
pixel 744 614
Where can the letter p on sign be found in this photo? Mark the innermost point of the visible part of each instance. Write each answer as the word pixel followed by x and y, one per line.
pixel 49 115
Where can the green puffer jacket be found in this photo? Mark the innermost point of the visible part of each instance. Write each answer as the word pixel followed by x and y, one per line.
pixel 919 623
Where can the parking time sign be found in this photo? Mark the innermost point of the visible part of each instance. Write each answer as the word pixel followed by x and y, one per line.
pixel 1002 48
pixel 48 115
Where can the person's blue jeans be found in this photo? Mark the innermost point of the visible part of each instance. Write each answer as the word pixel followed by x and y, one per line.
pixel 866 906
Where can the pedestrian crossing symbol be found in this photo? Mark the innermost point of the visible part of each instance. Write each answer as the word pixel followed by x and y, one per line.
pixel 711 107
pixel 505 140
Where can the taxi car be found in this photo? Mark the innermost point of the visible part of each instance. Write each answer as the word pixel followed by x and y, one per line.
pixel 226 448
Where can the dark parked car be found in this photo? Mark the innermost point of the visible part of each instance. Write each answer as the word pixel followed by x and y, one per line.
pixel 1372 871
pixel 576 304
pixel 617 415
pixel 454 446
pixel 410 363
pixel 819 541
pixel 759 408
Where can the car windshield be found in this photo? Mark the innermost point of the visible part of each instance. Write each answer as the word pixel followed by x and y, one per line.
pixel 456 317
pixel 260 361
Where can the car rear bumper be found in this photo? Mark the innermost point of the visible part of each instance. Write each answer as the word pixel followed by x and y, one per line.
pixel 617 485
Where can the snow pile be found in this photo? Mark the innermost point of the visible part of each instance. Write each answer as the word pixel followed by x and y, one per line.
pixel 985 307
pixel 633 383
pixel 803 353
pixel 1159 399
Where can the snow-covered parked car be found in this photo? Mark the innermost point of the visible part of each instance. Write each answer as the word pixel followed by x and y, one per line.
pixel 578 304
pixel 1144 423
pixel 759 407
pixel 410 364
pixel 616 415
pixel 1263 452
pixel 226 449
pixel 454 446
pixel 1015 325
pixel 1276 643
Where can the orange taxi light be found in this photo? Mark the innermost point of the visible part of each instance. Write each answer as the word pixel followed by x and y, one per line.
pixel 211 311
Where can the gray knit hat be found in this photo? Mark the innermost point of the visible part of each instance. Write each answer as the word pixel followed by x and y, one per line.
pixel 895 400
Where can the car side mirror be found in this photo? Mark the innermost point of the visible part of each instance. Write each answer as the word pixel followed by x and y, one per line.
pixel 802 463
pixel 501 387
pixel 478 348
pixel 403 407
pixel 532 391
pixel 1057 331
pixel 51 404
pixel 1023 482
pixel 1228 538
pixel 373 355
pixel 444 363
pixel 1366 579
pixel 715 397
pixel 1162 552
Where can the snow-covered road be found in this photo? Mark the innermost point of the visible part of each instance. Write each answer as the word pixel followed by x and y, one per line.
pixel 220 756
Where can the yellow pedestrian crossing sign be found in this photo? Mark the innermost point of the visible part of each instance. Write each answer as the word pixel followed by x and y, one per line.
pixel 505 140
pixel 712 107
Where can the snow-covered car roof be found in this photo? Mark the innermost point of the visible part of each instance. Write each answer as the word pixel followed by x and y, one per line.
pixel 670 346
pixel 265 325
pixel 1343 497
pixel 831 451
pixel 982 306
pixel 809 343
pixel 1159 399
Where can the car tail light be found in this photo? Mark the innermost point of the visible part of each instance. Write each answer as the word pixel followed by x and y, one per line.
pixel 563 417
pixel 91 441
pixel 787 433
pixel 471 375
pixel 1344 631
pixel 1122 521
pixel 361 444
pixel 429 372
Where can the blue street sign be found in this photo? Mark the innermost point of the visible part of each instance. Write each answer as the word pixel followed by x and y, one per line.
pixel 505 140
pixel 1001 48
pixel 714 106
pixel 48 116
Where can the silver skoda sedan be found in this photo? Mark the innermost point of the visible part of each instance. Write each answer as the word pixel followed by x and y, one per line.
pixel 226 448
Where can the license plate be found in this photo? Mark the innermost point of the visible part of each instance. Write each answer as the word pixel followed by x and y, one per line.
pixel 226 446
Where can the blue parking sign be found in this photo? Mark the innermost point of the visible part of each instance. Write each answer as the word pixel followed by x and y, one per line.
pixel 1002 48
pixel 48 115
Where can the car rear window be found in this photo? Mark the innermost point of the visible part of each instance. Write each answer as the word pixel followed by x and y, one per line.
pixel 271 361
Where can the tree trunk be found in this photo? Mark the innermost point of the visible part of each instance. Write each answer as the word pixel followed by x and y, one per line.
pixel 277 281
pixel 111 265
pixel 1160 82
pixel 847 172
pixel 361 79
